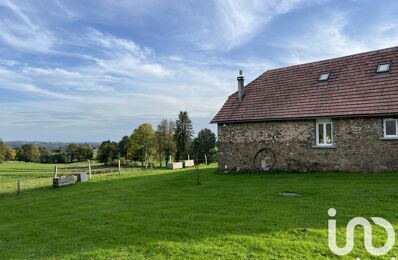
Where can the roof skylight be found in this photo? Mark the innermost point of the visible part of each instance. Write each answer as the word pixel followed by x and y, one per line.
pixel 383 67
pixel 324 76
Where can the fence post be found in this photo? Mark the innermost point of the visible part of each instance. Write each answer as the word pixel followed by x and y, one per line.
pixel 19 185
pixel 205 159
pixel 89 169
pixel 119 166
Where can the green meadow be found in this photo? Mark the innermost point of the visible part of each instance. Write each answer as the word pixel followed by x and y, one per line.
pixel 164 214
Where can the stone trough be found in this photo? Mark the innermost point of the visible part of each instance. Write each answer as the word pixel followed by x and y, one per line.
pixel 82 177
pixel 63 181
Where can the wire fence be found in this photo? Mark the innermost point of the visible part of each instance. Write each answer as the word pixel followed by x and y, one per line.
pixel 15 181
pixel 18 177
pixel 9 183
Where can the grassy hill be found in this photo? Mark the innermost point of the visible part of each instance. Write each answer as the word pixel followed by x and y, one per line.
pixel 163 214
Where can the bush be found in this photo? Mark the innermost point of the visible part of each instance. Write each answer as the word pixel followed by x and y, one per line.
pixel 28 153
pixel 107 152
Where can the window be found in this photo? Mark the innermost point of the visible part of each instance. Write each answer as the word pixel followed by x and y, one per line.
pixel 324 133
pixel 390 128
pixel 383 67
pixel 324 76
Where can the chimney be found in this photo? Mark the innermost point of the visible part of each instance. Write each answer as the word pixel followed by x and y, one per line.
pixel 241 86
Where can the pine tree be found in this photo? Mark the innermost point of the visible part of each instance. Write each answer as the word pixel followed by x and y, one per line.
pixel 183 135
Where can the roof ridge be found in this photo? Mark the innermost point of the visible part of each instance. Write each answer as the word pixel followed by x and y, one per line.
pixel 337 58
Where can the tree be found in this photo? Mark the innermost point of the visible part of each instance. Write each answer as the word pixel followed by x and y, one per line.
pixel 45 155
pixel 142 143
pixel 183 135
pixel 10 154
pixel 165 144
pixel 84 152
pixel 28 153
pixel 73 152
pixel 6 152
pixel 123 146
pixel 107 152
pixel 3 151
pixel 79 152
pixel 204 144
pixel 59 156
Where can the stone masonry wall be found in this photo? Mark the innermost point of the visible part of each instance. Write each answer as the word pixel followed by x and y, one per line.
pixel 358 147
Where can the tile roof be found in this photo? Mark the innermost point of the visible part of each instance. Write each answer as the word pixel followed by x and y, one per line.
pixel 353 89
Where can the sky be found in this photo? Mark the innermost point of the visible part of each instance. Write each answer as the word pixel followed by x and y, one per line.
pixel 93 70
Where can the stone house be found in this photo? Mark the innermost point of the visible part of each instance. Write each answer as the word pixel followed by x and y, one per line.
pixel 338 114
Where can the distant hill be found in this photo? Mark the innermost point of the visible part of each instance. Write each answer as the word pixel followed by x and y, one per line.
pixel 51 145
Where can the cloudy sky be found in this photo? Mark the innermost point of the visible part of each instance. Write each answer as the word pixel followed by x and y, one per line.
pixel 93 70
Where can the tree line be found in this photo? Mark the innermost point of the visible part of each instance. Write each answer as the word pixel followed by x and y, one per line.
pixel 170 139
pixel 34 153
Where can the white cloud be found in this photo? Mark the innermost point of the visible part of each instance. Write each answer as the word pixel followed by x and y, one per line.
pixel 14 81
pixel 321 40
pixel 123 57
pixel 238 21
pixel 114 44
pixel 19 31
pixel 65 80
pixel 330 37
pixel 119 81
pixel 19 13
pixel 111 80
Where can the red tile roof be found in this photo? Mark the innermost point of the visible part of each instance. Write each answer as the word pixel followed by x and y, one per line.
pixel 353 89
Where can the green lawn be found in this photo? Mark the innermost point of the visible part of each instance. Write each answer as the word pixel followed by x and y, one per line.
pixel 35 175
pixel 39 170
pixel 163 214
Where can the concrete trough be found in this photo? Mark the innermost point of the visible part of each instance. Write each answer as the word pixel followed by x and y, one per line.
pixel 188 163
pixel 82 177
pixel 175 165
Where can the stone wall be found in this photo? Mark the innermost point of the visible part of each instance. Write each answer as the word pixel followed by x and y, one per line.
pixel 359 145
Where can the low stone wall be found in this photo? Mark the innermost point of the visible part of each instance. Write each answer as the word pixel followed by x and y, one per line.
pixel 358 147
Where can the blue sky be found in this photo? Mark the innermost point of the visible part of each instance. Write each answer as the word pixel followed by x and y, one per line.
pixel 94 70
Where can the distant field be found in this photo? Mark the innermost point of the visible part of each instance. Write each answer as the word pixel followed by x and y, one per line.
pixel 163 214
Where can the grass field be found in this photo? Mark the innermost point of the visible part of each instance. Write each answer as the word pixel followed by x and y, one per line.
pixel 163 214
pixel 35 175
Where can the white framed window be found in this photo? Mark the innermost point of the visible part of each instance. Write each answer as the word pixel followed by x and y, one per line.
pixel 390 127
pixel 324 132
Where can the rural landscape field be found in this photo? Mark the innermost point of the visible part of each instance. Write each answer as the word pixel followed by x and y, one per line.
pixel 164 214
pixel 215 129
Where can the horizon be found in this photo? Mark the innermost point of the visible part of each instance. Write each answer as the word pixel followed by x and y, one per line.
pixel 61 142
pixel 70 73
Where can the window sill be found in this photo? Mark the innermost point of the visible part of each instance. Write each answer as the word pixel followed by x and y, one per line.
pixel 324 146
pixel 388 138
